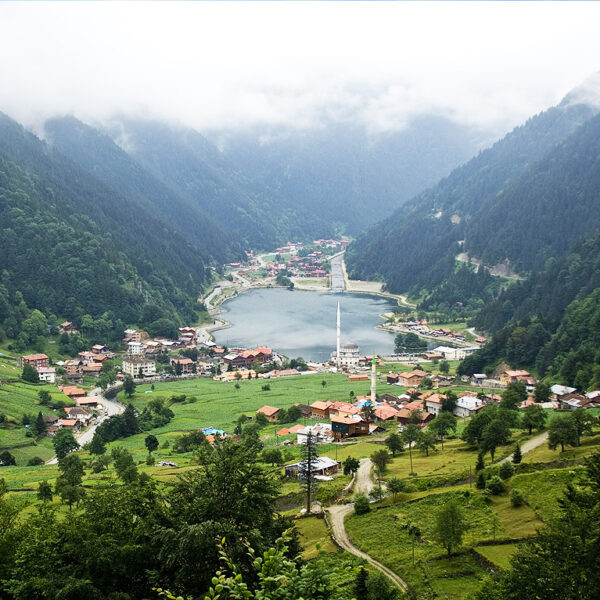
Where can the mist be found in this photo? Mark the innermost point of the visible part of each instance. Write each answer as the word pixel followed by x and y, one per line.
pixel 230 65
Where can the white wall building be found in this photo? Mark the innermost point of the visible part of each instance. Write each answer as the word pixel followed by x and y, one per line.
pixel 134 348
pixel 135 366
pixel 47 374
pixel 467 406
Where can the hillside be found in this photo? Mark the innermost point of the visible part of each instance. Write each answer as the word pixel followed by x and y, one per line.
pixel 70 246
pixel 416 246
pixel 347 176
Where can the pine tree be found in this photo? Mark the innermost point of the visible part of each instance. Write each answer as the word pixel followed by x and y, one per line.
pixel 307 467
pixel 480 464
pixel 517 455
pixel 40 425
pixel 360 584
pixel 97 445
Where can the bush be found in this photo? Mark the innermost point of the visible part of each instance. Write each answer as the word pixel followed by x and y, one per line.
pixel 361 504
pixel 35 461
pixel 150 459
pixel 266 387
pixel 506 470
pixel 481 480
pixel 516 498
pixel 495 485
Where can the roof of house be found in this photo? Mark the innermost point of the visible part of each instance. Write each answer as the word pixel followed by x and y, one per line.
pixel 343 406
pixel 385 412
pixel 346 420
pixel 35 357
pixel 68 422
pixel 268 411
pixel 41 370
pixel 87 400
pixel 71 390
pixel 76 410
pixel 180 360
pixel 414 405
pixel 517 373
pixel 93 367
pixel 319 405
pixel 561 390
pixel 405 414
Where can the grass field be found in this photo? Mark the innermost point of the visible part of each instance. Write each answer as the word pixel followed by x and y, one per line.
pixel 542 489
pixel 381 533
pixel 543 454
pixel 498 555
pixel 314 537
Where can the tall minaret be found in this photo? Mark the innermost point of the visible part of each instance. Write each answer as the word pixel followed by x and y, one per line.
pixel 373 383
pixel 337 356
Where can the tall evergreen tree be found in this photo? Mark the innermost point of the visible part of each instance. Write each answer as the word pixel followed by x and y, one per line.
pixel 307 468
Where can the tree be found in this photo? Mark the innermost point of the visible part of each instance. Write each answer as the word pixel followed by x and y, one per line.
pixel 351 465
pixel 40 425
pixel 534 416
pixel 7 459
pixel 562 430
pixel 427 441
pixel 381 459
pixel 64 442
pixel 306 469
pixel 97 445
pixel 583 421
pixel 124 465
pixel 44 493
pixel 272 456
pixel 443 424
pixel 497 433
pixel 360 584
pixel 394 443
pixel 293 414
pixel 449 402
pixel 129 386
pixel 45 397
pixel 29 374
pixel 445 367
pixel 151 443
pixel 361 504
pixel 506 470
pixel 68 483
pixel 261 419
pixel 130 420
pixel 513 395
pixel 410 435
pixel 367 412
pixel 450 526
pixel 480 464
pixel 282 416
pixel 560 563
pixel 541 392
pixel 517 455
pixel 323 383
pixel 395 485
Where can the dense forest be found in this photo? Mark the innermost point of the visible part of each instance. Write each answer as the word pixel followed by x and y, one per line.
pixel 70 246
pixel 415 248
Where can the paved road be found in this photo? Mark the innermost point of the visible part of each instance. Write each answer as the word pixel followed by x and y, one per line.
pixel 363 483
pixel 529 445
pixel 113 408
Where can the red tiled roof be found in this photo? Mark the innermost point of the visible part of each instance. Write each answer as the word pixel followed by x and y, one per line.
pixel 268 411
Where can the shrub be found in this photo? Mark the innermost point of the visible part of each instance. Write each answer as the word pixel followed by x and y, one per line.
pixel 361 504
pixel 506 470
pixel 516 498
pixel 266 387
pixel 35 461
pixel 481 479
pixel 495 485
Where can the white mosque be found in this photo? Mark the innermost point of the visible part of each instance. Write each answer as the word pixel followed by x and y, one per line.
pixel 346 355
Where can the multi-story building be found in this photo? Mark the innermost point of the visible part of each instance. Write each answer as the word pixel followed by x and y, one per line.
pixel 139 367
pixel 35 360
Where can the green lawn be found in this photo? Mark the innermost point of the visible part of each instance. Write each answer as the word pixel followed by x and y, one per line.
pixel 542 489
pixel 381 533
pixel 314 537
pixel 498 555
pixel 543 454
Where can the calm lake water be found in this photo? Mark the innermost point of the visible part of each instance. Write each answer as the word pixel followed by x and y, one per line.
pixel 298 323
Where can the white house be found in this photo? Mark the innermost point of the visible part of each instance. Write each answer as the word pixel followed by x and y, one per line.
pixel 467 406
pixel 321 433
pixel 139 366
pixel 47 374
pixel 453 353
pixel 134 348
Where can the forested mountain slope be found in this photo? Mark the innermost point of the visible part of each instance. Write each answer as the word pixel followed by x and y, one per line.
pixel 69 245
pixel 348 177
pixel 550 322
pixel 194 169
pixel 96 153
pixel 415 247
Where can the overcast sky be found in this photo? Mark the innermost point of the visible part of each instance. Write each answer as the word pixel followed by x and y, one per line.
pixel 229 64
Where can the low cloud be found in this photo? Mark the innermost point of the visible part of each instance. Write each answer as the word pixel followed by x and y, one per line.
pixel 237 65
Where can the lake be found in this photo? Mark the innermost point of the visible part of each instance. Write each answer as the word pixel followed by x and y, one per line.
pixel 298 323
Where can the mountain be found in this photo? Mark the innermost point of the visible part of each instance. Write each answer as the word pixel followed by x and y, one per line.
pixel 193 168
pixel 70 245
pixel 479 205
pixel 550 322
pixel 348 177
pixel 97 154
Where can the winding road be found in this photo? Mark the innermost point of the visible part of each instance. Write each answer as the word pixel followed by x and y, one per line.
pixel 362 484
pixel 529 445
pixel 112 408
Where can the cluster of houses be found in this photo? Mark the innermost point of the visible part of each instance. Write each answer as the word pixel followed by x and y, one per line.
pixel 78 416
pixel 138 343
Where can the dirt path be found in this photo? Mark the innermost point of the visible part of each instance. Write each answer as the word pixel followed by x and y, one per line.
pixel 529 445
pixel 363 483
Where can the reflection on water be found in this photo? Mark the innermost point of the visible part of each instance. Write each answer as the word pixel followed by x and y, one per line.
pixel 299 323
